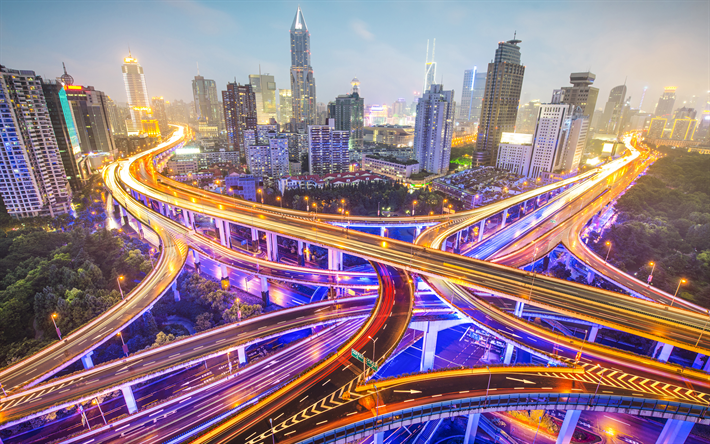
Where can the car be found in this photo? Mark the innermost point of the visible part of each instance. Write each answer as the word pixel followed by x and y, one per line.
pixel 499 422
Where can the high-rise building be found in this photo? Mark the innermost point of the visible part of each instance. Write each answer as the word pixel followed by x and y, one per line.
pixel 178 111
pixel 499 110
pixel 515 152
pixel 429 67
pixel 355 86
pixel 136 92
pixel 207 109
pixel 32 177
pixel 575 129
pixel 548 138
pixel 656 127
pixel 239 104
pixel 303 84
pixel 400 108
pixel 683 129
pixel 267 151
pixel 65 131
pixel 117 117
pixel 328 149
pixel 434 126
pixel 264 87
pixel 348 112
pixel 464 108
pixel 581 93
pixel 611 119
pixel 90 110
pixel 527 116
pixel 285 107
pixel 682 113
pixel 666 102
pixel 161 115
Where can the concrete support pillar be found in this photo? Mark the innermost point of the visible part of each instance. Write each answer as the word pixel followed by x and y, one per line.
pixel 272 247
pixel 457 245
pixel 383 231
pixel 428 348
pixel 706 367
pixel 378 438
pixel 227 234
pixel 224 276
pixel 130 399
pixel 503 220
pixel 519 307
pixel 593 333
pixel 299 251
pixel 335 259
pixel 192 220
pixel 196 260
pixel 481 227
pixel 471 428
pixel 141 234
pixel 568 426
pixel 590 276
pixel 176 293
pixel 186 219
pixel 265 291
pixel 508 356
pixel 675 432
pixel 87 361
pixel 662 351
pixel 242 353
pixel 219 225
pixel 255 239
pixel 417 232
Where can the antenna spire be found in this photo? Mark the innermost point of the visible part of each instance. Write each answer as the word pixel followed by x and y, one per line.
pixel 65 68
pixel 515 34
pixel 129 51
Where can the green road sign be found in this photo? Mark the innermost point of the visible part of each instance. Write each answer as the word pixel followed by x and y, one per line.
pixel 370 363
pixel 357 355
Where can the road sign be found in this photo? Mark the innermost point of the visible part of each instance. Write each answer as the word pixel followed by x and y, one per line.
pixel 357 355
pixel 372 364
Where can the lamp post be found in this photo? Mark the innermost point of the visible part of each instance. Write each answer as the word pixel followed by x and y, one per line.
pixel 682 281
pixel 125 347
pixel 96 402
pixel 373 346
pixel 59 333
pixel 280 202
pixel 315 209
pixel 442 205
pixel 239 311
pixel 414 202
pixel 488 387
pixel 599 381
pixel 119 279
pixel 650 276
pixel 271 422
pixel 342 203
pixel 608 244
pixel 261 195
pixel 308 209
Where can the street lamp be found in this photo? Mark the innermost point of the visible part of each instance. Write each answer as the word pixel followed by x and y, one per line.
pixel 280 202
pixel 96 402
pixel 608 244
pixel 119 279
pixel 125 347
pixel 373 346
pixel 239 311
pixel 682 281
pixel 650 276
pixel 308 209
pixel 59 333
pixel 261 194
pixel 414 202
pixel 442 205
pixel 315 208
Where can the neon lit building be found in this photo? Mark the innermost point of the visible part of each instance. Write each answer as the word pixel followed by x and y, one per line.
pixel 136 92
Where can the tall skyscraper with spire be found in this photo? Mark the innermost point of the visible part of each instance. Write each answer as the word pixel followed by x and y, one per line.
pixel 136 92
pixel 499 110
pixel 429 67
pixel 303 84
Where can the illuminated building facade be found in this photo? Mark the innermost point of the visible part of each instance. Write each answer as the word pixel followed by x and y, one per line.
pixel 136 92
pixel 239 103
pixel 666 102
pixel 656 127
pixel 303 83
pixel 611 119
pixel 264 87
pixel 267 151
pixel 429 67
pixel 328 149
pixel 207 109
pixel 474 85
pixel 90 110
pixel 433 129
pixel 161 115
pixel 581 94
pixel 117 117
pixel 515 152
pixel 32 178
pixel 499 109
pixel 683 129
pixel 348 111
pixel 285 106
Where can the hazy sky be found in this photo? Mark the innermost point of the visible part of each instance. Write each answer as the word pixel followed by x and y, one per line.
pixel 382 42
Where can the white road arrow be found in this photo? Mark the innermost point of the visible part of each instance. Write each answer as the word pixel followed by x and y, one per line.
pixel 524 381
pixel 407 391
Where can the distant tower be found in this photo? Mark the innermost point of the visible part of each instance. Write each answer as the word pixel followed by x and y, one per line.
pixel 666 102
pixel 433 129
pixel 303 84
pixel 355 86
pixel 429 67
pixel 136 92
pixel 612 111
pixel 643 96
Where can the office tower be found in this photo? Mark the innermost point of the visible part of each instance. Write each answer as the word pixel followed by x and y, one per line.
pixel 303 84
pixel 239 104
pixel 204 93
pixel 464 108
pixel 116 117
pixel 429 67
pixel 136 92
pixel 91 115
pixel 267 151
pixel 514 153
pixel 285 107
pixel 611 119
pixel 161 115
pixel 682 113
pixel 527 116
pixel 666 102
pixel 575 129
pixel 32 178
pixel 499 109
pixel 348 112
pixel 683 129
pixel 322 113
pixel 548 138
pixel 65 132
pixel 178 111
pixel 355 86
pixel 264 87
pixel 656 127
pixel 581 93
pixel 400 108
pixel 434 126
pixel 557 95
pixel 327 149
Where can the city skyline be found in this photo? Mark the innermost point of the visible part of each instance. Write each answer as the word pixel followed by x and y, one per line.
pixel 388 63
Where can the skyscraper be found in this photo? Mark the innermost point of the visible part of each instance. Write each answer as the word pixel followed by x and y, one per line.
pixel 303 84
pixel 656 127
pixel 527 116
pixel 613 109
pixel 161 114
pixel 327 149
pixel 464 108
pixel 666 102
pixel 90 110
pixel 136 93
pixel 204 92
pixel 429 67
pixel 239 104
pixel 348 112
pixel 285 107
pixel 32 178
pixel 548 138
pixel 264 87
pixel 581 93
pixel 499 110
pixel 575 128
pixel 267 151
pixel 116 117
pixel 434 126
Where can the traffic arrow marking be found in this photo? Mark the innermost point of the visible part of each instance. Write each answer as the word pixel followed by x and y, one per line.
pixel 524 381
pixel 411 392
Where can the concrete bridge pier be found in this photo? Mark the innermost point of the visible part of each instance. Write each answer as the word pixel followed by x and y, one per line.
pixel 87 361
pixel 568 426
pixel 508 355
pixel 519 307
pixel 431 330
pixel 242 353
pixel 675 432
pixel 265 291
pixel 299 251
pixel 662 351
pixel 471 428
pixel 335 259
pixel 176 293
pixel 130 399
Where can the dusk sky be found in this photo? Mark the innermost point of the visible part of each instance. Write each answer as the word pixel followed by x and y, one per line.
pixel 383 43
